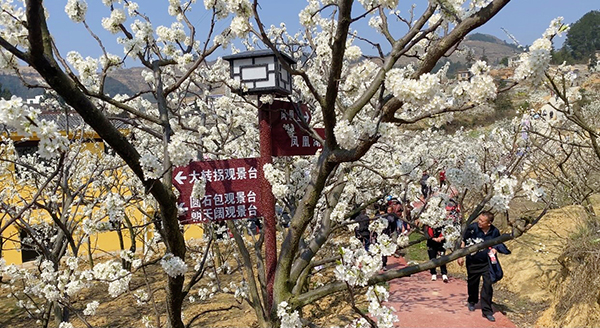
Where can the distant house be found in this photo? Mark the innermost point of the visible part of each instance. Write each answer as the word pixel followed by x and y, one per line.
pixel 35 101
pixel 463 75
pixel 514 61
pixel 597 63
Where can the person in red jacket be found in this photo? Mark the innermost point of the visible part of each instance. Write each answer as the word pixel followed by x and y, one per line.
pixel 442 178
pixel 435 248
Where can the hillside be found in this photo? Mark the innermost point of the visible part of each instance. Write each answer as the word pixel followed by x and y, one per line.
pixel 129 80
pixel 126 81
pixel 484 45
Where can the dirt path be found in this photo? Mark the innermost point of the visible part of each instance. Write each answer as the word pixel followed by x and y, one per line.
pixel 420 302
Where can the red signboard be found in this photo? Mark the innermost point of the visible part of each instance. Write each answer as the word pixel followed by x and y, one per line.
pixel 288 138
pixel 232 190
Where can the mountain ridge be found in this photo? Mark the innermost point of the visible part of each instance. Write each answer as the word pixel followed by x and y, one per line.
pixel 130 80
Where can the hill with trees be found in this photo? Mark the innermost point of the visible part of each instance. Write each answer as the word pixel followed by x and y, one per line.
pixel 120 82
pixel 583 40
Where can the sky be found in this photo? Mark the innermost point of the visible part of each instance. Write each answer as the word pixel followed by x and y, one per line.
pixel 525 19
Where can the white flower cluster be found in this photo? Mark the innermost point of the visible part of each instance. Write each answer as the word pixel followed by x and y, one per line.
pixel 402 241
pixel 114 207
pixel 174 266
pixel 357 77
pixel 370 4
pixel 25 120
pixel 469 176
pixel 504 192
pixel 416 92
pixel 204 294
pixel 45 283
pixel 141 297
pixel 384 245
pixel 241 290
pixel 345 134
pixel 476 5
pixel 353 53
pixel 532 190
pixel 240 26
pixel 535 62
pixel 72 262
pixel 479 89
pixel 308 14
pixel 151 165
pixel 199 188
pixel 143 31
pixel 557 28
pixel 113 23
pixel 339 211
pixel 90 308
pixel 378 225
pixel 376 22
pixel 434 214
pixel 14 29
pixel 357 264
pixel 288 320
pixel 175 33
pixel 453 10
pixel 180 151
pixel 113 273
pixel 384 315
pixel 76 10
pixel 127 255
pixel 276 178
pixel 473 241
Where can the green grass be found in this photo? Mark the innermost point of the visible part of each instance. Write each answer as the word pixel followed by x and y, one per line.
pixel 417 252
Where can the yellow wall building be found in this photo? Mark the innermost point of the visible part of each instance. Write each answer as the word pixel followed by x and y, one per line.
pixel 15 252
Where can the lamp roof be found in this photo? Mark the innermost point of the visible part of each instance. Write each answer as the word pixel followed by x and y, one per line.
pixel 257 53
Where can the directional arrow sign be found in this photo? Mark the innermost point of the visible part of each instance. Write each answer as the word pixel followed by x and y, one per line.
pixel 232 190
pixel 180 177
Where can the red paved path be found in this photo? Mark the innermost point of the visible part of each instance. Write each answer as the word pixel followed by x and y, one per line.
pixel 420 302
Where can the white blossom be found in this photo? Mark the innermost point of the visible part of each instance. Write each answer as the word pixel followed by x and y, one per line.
pixel 531 189
pixel 288 320
pixel 174 266
pixel 116 19
pixel 76 10
pixel 90 308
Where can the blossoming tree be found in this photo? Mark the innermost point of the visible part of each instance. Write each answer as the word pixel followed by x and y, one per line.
pixel 364 103
pixel 562 122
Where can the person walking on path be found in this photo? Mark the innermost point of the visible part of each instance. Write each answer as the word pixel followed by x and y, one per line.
pixel 442 178
pixel 478 265
pixel 390 230
pixel 424 186
pixel 362 230
pixel 435 248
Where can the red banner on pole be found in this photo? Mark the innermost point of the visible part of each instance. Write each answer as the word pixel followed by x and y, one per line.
pixel 232 190
pixel 288 138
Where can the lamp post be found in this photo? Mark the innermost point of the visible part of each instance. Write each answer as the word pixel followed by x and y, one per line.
pixel 260 72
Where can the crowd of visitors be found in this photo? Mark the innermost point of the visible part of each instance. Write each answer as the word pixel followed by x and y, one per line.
pixel 397 214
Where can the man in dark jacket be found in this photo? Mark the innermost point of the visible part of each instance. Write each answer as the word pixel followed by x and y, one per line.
pixel 362 231
pixel 391 229
pixel 424 186
pixel 478 265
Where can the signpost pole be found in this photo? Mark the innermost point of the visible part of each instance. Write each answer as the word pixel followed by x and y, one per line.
pixel 268 200
pixel 262 72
